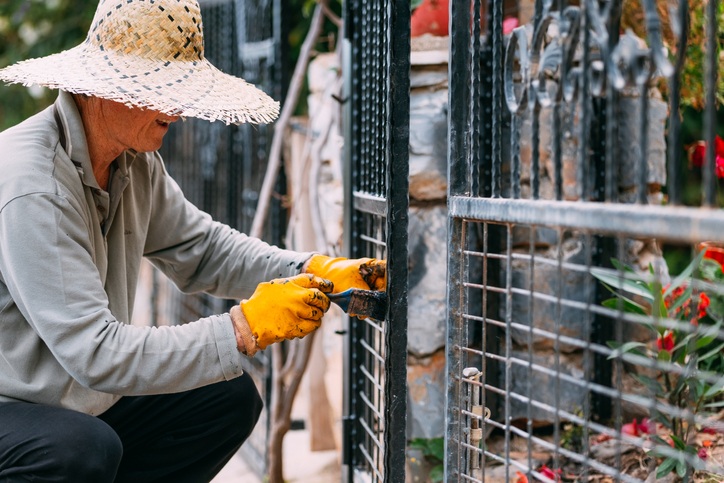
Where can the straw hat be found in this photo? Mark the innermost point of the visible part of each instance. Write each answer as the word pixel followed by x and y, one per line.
pixel 149 53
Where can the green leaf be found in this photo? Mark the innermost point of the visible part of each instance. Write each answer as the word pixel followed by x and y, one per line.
pixel 714 352
pixel 437 474
pixel 664 356
pixel 681 468
pixel 715 389
pixel 710 270
pixel 436 448
pixel 626 348
pixel 621 267
pixel 666 467
pixel 627 305
pixel 636 287
pixel 719 404
pixel 685 275
pixel 678 442
pixel 652 384
pixel 708 334
pixel 432 448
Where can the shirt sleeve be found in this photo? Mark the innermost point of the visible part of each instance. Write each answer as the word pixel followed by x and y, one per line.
pixel 46 261
pixel 200 254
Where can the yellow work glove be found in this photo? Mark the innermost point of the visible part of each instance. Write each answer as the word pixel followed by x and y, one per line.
pixel 346 273
pixel 285 308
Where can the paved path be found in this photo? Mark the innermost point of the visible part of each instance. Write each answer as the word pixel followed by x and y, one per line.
pixel 300 464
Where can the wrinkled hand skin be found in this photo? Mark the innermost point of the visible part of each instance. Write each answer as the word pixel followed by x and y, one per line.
pixel 286 308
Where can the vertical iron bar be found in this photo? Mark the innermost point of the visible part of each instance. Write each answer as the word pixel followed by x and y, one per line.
pixel 612 145
pixel 535 153
pixel 474 180
pixel 458 126
pixel 497 75
pixel 601 330
pixel 397 221
pixel 535 112
pixel 643 164
pixel 352 154
pixel 585 430
pixel 710 83
pixel 515 155
pixel 508 341
pixel 557 155
pixel 584 164
pixel 531 324
pixel 557 350
pixel 557 127
pixel 459 97
pixel 674 181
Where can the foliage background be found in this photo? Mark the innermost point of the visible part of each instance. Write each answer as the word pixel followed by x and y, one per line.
pixel 34 28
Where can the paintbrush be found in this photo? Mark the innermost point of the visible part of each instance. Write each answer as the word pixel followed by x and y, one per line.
pixel 358 302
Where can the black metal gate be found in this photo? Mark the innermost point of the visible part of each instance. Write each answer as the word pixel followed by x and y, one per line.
pixel 377 70
pixel 567 164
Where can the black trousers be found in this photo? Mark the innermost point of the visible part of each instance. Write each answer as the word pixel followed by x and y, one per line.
pixel 184 437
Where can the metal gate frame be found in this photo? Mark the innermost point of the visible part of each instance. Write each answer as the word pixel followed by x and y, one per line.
pixel 490 90
pixel 377 84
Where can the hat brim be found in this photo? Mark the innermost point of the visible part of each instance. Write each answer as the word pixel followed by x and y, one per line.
pixel 190 89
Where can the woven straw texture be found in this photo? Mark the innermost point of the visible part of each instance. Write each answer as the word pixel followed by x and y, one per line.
pixel 150 54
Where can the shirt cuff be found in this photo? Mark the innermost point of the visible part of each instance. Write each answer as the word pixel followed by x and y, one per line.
pixel 229 356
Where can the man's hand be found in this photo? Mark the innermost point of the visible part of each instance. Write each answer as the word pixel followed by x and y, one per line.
pixel 285 308
pixel 346 273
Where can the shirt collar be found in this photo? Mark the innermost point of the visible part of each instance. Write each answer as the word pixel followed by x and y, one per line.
pixel 76 144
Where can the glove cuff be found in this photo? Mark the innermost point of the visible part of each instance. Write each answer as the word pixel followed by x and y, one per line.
pixel 243 332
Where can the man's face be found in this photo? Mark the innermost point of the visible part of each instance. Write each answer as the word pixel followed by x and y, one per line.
pixel 134 127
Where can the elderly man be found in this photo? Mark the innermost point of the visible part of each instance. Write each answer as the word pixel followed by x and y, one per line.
pixel 84 196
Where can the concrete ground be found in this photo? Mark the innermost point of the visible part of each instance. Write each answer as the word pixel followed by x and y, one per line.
pixel 300 464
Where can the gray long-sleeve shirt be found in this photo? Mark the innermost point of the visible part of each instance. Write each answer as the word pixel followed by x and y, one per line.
pixel 70 255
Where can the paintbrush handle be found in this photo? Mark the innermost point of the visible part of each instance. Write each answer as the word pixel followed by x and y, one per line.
pixel 342 298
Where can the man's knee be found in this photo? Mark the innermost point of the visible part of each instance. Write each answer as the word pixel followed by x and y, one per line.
pixel 90 451
pixel 247 402
pixel 44 443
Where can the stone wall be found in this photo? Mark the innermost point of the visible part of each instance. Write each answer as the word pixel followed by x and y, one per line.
pixel 427 299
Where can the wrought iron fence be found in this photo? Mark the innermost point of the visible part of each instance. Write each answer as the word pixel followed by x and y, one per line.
pixel 586 351
pixel 377 70
pixel 220 169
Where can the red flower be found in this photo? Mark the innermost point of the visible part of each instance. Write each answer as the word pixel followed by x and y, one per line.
pixel 634 428
pixel 719 168
pixel 704 302
pixel 696 152
pixel 554 475
pixel 630 428
pixel 674 296
pixel 702 453
pixel 697 155
pixel 667 342
pixel 647 426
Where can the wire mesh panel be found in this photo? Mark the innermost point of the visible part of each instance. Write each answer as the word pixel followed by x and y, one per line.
pixel 591 347
pixel 377 139
pixel 220 168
